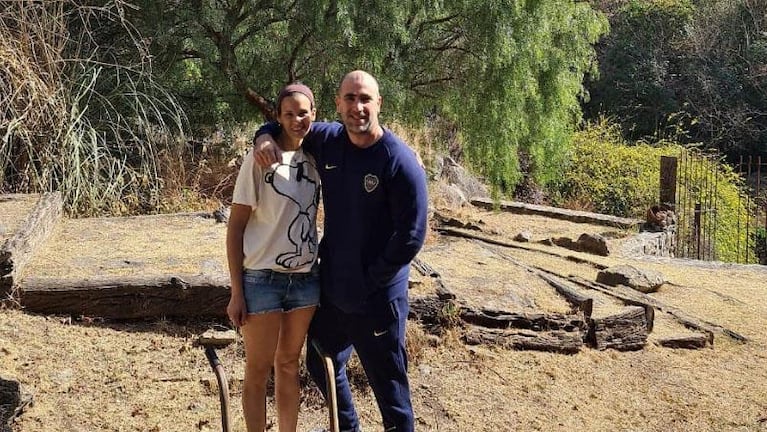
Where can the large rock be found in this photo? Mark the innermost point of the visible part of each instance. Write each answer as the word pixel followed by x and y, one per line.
pixel 593 244
pixel 449 195
pixel 645 281
pixel 524 237
pixel 455 174
pixel 589 243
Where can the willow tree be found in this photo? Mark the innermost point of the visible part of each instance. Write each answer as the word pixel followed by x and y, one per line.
pixel 508 73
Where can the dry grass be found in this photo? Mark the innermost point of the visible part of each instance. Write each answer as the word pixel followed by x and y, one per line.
pixel 152 245
pixel 145 376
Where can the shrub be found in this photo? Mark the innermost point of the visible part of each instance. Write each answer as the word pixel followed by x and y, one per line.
pixel 609 175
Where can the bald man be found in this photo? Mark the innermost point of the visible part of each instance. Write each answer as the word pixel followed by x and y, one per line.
pixel 375 199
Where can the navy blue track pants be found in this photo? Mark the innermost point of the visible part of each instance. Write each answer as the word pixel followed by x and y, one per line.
pixel 378 337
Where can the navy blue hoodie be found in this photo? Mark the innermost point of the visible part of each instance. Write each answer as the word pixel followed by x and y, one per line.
pixel 375 203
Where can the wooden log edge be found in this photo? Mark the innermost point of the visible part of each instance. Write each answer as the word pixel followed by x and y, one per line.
pixel 696 341
pixel 115 297
pixel 624 331
pixel 455 232
pixel 557 213
pixel 637 298
pixel 16 251
pixel 513 330
pixel 35 229
pixel 216 338
pixel 556 341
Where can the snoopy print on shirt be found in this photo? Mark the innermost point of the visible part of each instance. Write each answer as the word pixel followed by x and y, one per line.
pixel 294 181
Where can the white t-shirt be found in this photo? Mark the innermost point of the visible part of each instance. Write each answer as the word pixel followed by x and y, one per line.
pixel 281 233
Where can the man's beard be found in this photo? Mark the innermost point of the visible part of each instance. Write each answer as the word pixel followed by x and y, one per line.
pixel 356 127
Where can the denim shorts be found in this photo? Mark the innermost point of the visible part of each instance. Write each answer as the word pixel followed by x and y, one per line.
pixel 271 291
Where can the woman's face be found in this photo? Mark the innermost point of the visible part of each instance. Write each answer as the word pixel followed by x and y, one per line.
pixel 296 115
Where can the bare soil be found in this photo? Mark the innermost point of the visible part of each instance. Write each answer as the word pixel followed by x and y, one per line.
pixel 87 374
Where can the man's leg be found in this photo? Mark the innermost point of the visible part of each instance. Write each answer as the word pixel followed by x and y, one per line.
pixel 326 330
pixel 380 346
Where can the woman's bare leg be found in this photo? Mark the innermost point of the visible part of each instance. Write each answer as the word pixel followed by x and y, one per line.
pixel 260 335
pixel 286 361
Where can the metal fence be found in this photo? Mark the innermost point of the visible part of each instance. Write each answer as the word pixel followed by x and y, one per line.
pixel 708 227
pixel 754 247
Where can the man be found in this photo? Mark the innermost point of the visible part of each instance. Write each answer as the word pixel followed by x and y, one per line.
pixel 375 200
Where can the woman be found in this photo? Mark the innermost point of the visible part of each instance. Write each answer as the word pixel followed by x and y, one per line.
pixel 271 246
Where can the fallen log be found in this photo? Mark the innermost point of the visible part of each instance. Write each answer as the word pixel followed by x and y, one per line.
pixel 517 330
pixel 558 213
pixel 695 341
pixel 128 297
pixel 538 321
pixel 16 252
pixel 432 310
pixel 633 297
pixel 649 310
pixel 624 331
pixel 558 341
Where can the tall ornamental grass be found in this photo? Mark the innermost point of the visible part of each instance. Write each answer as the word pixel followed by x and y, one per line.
pixel 81 113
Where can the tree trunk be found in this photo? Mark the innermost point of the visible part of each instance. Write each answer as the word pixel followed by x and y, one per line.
pixel 515 330
pixel 695 341
pixel 634 297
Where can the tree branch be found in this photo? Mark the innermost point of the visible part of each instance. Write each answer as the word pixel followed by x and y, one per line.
pixel 294 55
pixel 422 25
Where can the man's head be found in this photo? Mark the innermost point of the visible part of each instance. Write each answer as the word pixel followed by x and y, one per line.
pixel 358 102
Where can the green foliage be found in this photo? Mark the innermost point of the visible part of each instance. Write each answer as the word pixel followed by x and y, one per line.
pixel 727 86
pixel 698 65
pixel 523 95
pixel 509 73
pixel 609 175
pixel 639 63
pixel 730 200
pixel 760 245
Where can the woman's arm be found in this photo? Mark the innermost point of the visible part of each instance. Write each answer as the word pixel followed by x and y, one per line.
pixel 235 230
